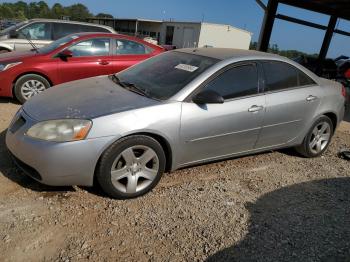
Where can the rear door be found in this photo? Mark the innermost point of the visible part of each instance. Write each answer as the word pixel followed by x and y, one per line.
pixel 127 53
pixel 292 98
pixel 217 130
pixel 91 57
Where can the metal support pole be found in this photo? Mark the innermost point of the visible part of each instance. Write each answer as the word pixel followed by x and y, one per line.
pixel 266 28
pixel 328 37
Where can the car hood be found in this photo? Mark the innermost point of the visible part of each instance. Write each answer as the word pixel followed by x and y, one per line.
pixel 16 56
pixel 84 99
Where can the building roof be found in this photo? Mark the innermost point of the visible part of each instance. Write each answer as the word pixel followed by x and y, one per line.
pixel 225 53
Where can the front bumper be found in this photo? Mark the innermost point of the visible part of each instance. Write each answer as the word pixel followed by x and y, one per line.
pixel 6 84
pixel 56 164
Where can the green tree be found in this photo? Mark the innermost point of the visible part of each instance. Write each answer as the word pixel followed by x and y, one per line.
pixel 57 11
pixel 104 15
pixel 44 10
pixel 78 12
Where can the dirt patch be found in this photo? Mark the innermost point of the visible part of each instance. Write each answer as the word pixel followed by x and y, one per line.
pixel 274 206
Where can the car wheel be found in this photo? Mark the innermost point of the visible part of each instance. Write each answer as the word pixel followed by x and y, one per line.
pixel 318 138
pixel 30 85
pixel 131 167
pixel 3 51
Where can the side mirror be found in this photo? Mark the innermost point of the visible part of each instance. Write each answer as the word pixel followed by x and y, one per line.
pixel 65 54
pixel 13 33
pixel 208 97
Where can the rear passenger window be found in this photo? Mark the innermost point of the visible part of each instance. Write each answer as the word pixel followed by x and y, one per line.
pixel 127 47
pixel 305 80
pixel 236 82
pixel 63 29
pixel 280 75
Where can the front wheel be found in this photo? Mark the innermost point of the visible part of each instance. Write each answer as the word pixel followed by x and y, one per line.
pixel 131 167
pixel 318 138
pixel 30 85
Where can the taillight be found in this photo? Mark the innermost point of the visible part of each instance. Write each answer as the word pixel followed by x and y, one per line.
pixel 347 74
pixel 343 91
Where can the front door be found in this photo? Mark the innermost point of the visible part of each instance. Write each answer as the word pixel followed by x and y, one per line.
pixel 217 130
pixel 90 58
pixel 39 34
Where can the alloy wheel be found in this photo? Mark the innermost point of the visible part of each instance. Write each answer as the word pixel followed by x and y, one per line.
pixel 134 169
pixel 31 88
pixel 320 137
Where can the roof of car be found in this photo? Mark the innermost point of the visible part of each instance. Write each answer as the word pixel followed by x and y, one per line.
pixel 225 53
pixel 69 22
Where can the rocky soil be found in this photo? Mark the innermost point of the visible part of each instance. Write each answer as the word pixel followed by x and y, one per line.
pixel 274 206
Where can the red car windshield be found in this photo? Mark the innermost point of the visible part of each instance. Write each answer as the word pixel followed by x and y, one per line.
pixel 56 44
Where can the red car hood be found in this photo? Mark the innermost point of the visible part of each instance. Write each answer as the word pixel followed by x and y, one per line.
pixel 16 56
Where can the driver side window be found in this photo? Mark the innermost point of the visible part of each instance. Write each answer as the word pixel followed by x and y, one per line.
pixel 36 31
pixel 236 82
pixel 91 47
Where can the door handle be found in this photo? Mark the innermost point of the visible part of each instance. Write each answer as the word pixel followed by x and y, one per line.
pixel 255 108
pixel 103 62
pixel 311 98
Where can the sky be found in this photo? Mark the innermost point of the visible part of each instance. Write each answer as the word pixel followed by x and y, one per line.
pixel 245 14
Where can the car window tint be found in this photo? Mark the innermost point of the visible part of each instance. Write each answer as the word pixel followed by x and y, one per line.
pixel 64 29
pixel 280 75
pixel 236 82
pixel 36 31
pixel 127 47
pixel 91 47
pixel 305 80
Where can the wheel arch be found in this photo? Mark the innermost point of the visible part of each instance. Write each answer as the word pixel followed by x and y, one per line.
pixel 29 73
pixel 333 117
pixel 159 138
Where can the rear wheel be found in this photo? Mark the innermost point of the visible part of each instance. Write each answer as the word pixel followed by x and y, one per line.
pixel 131 167
pixel 3 51
pixel 318 138
pixel 30 85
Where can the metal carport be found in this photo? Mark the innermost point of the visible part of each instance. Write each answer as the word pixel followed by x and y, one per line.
pixel 336 9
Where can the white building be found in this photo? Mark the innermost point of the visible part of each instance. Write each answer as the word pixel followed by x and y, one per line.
pixel 181 34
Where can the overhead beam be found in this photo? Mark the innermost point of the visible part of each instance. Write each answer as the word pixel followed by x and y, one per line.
pixel 300 22
pixel 317 7
pixel 261 4
pixel 266 27
pixel 328 37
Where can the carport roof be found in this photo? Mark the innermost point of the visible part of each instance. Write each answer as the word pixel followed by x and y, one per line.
pixel 339 8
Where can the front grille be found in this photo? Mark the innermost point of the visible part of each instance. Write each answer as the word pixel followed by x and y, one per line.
pixel 26 168
pixel 17 124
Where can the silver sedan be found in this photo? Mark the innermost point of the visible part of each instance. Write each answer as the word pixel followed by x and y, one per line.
pixel 177 109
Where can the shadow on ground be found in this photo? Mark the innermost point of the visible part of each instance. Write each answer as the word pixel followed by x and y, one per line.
pixel 9 170
pixel 303 222
pixel 9 100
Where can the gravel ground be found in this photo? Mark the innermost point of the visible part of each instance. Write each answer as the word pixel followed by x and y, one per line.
pixel 274 206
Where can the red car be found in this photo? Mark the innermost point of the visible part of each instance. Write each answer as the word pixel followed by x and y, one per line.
pixel 77 56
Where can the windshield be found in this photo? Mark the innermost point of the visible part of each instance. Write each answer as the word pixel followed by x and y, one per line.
pixel 7 30
pixel 164 75
pixel 54 45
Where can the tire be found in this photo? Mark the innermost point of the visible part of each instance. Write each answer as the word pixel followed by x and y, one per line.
pixel 4 51
pixel 317 139
pixel 29 85
pixel 134 175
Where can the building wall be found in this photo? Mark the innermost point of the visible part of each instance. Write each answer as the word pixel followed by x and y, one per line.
pixel 225 36
pixel 185 34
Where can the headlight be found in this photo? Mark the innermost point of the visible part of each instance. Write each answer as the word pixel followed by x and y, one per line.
pixel 60 130
pixel 4 67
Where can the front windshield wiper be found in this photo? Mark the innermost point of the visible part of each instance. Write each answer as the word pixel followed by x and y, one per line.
pixel 130 86
pixel 31 43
